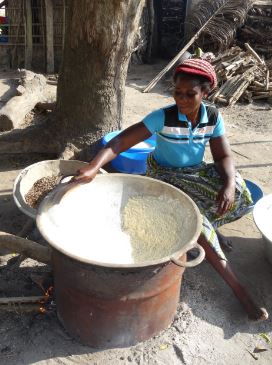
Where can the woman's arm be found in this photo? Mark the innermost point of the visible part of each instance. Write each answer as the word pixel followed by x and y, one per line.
pixel 221 153
pixel 123 141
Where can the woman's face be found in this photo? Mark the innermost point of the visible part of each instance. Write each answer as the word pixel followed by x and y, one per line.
pixel 188 95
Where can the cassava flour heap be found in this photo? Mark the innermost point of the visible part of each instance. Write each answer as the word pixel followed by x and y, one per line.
pixel 154 226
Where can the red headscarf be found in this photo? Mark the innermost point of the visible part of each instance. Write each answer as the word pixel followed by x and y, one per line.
pixel 197 66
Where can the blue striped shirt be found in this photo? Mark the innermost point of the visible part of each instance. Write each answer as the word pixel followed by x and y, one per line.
pixel 178 144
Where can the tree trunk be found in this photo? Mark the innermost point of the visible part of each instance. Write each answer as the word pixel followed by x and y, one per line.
pixel 98 44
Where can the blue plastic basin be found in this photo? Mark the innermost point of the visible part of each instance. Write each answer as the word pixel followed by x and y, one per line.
pixel 255 190
pixel 132 161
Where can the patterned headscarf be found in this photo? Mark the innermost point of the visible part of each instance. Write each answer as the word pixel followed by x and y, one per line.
pixel 197 66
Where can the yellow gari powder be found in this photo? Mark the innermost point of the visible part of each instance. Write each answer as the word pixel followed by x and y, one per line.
pixel 154 226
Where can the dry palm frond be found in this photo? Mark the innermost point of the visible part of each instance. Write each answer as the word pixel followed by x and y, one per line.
pixel 223 17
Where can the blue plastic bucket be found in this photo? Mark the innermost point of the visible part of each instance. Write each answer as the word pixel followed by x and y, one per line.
pixel 132 161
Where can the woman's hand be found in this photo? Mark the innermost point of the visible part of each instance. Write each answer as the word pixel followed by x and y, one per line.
pixel 86 174
pixel 225 198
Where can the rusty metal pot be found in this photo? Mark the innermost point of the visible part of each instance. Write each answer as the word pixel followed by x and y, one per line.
pixel 109 307
pixel 116 305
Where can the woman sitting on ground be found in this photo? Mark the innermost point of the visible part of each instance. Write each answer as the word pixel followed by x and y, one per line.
pixel 182 131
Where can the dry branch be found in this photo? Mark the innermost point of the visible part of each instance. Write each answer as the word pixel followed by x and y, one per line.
pixel 23 304
pixel 18 300
pixel 22 308
pixel 267 80
pixel 25 247
pixel 254 54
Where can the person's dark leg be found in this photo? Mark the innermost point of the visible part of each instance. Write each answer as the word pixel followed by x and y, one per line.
pixel 223 268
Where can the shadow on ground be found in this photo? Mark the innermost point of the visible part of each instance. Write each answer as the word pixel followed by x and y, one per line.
pixel 219 306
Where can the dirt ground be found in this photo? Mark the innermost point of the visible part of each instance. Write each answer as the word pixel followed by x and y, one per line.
pixel 210 327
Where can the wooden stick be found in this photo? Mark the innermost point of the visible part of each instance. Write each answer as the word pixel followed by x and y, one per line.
pixel 259 97
pixel 52 82
pixel 14 49
pixel 25 247
pixel 231 85
pixel 262 93
pixel 222 100
pixel 28 34
pixel 63 23
pixel 239 91
pixel 257 83
pixel 49 36
pixel 184 49
pixel 18 300
pixel 267 80
pixel 220 91
pixel 254 54
pixel 25 230
pixel 263 3
pixel 151 12
pixel 240 154
pixel 265 19
pixel 22 308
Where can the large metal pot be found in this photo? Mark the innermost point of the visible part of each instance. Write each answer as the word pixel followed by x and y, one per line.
pixel 111 305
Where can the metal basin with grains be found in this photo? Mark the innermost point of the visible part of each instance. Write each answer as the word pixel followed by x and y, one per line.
pixel 32 173
pixel 110 304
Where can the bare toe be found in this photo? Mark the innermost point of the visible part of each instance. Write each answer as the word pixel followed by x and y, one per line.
pixel 258 315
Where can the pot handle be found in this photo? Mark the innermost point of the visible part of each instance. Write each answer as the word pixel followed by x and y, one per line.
pixel 194 262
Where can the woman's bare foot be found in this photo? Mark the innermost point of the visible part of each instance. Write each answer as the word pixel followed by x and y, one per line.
pixel 225 242
pixel 254 312
pixel 262 315
pixel 223 268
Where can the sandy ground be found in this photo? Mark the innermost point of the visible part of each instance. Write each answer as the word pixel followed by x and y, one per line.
pixel 210 327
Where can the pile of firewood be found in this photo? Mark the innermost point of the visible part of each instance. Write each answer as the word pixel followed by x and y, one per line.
pixel 258 28
pixel 242 75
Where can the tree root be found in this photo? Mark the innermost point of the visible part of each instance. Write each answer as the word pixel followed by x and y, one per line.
pixel 69 152
pixel 50 137
pixel 43 106
pixel 35 139
pixel 25 247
